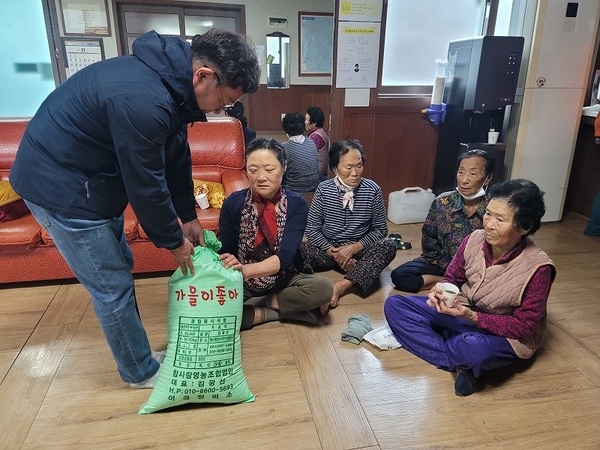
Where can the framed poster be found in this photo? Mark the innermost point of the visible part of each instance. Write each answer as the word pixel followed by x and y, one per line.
pixel 80 53
pixel 316 44
pixel 85 17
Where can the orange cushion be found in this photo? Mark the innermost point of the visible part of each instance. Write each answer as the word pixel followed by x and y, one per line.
pixel 214 191
pixel 20 233
pixel 13 210
pixel 7 193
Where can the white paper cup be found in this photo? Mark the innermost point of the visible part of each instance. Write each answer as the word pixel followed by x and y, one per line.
pixel 493 137
pixel 450 292
pixel 202 200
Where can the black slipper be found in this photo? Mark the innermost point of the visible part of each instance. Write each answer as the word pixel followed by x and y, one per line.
pixel 401 245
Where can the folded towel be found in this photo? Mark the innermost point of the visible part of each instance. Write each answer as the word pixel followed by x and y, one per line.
pixel 358 326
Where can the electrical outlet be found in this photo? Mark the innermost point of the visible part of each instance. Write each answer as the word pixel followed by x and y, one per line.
pixel 282 116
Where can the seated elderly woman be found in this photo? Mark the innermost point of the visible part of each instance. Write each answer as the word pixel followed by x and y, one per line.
pixel 260 229
pixel 499 315
pixel 302 173
pixel 452 216
pixel 347 224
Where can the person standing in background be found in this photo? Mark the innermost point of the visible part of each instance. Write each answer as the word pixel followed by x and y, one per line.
pixel 593 225
pixel 314 121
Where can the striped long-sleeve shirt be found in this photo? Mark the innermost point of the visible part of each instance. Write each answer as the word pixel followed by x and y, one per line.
pixel 330 224
pixel 302 173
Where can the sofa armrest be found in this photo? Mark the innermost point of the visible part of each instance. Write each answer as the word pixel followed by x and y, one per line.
pixel 234 180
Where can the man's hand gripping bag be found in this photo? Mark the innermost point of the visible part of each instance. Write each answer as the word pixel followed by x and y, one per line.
pixel 203 362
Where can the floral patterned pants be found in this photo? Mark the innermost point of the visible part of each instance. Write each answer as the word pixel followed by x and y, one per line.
pixel 371 261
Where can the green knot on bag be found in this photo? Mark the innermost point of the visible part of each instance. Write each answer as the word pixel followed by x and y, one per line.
pixel 204 256
pixel 211 241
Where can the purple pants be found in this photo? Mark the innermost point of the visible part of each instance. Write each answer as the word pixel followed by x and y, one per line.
pixel 445 341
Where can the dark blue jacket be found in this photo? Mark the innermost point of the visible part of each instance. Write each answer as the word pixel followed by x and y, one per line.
pixel 115 132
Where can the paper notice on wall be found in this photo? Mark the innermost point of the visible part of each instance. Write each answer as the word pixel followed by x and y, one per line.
pixel 85 17
pixel 358 54
pixel 360 10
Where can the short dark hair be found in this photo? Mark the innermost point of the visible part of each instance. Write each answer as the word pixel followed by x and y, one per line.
pixel 340 148
pixel 231 55
pixel 526 198
pixel 271 144
pixel 490 161
pixel 293 124
pixel 316 116
pixel 237 112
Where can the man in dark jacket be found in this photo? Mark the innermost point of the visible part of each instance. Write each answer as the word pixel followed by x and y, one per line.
pixel 116 132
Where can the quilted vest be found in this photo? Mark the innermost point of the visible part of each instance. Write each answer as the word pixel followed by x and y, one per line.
pixel 498 289
pixel 321 132
pixel 323 152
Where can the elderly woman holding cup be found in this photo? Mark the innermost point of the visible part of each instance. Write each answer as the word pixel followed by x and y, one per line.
pixel 499 315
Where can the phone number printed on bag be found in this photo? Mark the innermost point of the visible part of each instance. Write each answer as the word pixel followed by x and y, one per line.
pixel 205 343
pixel 218 292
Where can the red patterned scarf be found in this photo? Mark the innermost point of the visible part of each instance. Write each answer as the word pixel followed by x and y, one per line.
pixel 254 243
pixel 266 232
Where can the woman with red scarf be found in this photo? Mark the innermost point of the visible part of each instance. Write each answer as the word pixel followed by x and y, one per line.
pixel 261 229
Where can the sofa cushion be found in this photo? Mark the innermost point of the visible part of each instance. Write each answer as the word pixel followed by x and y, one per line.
pixel 13 210
pixel 7 193
pixel 209 218
pixel 214 191
pixel 11 132
pixel 130 228
pixel 23 232
pixel 218 143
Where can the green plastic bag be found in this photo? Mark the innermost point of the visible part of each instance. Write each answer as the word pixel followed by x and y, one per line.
pixel 203 362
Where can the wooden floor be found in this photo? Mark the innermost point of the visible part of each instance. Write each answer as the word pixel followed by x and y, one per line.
pixel 59 387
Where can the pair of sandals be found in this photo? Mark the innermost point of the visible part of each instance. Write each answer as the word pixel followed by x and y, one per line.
pixel 400 244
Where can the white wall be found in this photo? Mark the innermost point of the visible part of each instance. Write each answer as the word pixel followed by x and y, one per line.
pixel 257 14
pixel 24 41
pixel 561 55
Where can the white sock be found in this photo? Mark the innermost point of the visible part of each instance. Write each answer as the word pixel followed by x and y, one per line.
pixel 159 356
pixel 149 383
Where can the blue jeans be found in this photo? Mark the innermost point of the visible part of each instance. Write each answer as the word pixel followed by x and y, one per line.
pixel 98 255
